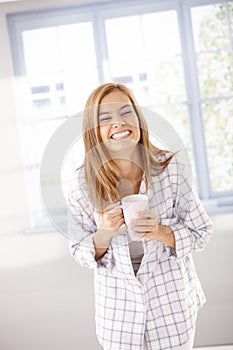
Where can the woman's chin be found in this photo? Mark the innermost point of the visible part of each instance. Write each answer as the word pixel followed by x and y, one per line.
pixel 119 146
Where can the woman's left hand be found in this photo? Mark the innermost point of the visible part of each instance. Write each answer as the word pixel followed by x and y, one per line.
pixel 145 225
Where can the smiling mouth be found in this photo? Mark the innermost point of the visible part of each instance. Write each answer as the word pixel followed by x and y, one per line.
pixel 121 135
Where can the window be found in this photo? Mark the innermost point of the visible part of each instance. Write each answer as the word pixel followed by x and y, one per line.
pixel 213 39
pixel 176 56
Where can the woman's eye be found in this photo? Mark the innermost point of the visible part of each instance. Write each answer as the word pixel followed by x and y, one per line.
pixel 127 112
pixel 104 119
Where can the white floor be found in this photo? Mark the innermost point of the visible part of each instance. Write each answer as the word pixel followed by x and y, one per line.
pixel 223 347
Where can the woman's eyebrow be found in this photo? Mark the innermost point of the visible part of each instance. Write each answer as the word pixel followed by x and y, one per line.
pixel 109 112
pixel 103 113
pixel 127 105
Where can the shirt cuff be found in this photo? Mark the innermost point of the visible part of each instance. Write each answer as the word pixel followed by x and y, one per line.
pixel 182 238
pixel 183 241
pixel 84 254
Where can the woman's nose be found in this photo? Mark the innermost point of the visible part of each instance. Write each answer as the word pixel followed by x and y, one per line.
pixel 117 122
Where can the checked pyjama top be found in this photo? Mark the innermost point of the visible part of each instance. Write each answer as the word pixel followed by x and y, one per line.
pixel 162 300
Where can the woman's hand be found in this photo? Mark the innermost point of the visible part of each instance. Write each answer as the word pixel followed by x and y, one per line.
pixel 113 221
pixel 146 226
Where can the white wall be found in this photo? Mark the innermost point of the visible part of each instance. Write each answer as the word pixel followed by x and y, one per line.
pixel 214 266
pixel 46 299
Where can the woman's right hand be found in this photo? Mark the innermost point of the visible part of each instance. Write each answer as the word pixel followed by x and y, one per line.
pixel 113 222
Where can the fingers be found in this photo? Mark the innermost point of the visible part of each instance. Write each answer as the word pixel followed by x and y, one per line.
pixel 111 221
pixel 142 229
pixel 146 214
pixel 112 217
pixel 145 218
pixel 120 222
pixel 145 223
pixel 113 209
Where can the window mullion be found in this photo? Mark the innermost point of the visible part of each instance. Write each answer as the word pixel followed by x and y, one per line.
pixel 193 96
pixel 101 48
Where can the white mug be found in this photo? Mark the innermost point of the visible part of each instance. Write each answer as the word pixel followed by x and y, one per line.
pixel 131 205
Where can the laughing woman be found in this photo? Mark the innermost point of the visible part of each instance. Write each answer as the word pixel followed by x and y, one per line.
pixel 147 291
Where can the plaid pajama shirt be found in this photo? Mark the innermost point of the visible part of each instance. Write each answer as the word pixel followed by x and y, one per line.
pixel 161 302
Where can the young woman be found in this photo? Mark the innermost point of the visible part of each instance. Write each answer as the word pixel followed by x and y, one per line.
pixel 147 291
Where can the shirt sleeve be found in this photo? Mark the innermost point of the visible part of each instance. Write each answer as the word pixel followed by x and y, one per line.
pixel 81 229
pixel 191 225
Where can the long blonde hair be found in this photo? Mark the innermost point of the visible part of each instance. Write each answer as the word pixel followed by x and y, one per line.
pixel 101 172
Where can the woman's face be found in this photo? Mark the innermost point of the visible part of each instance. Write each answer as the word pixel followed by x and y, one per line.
pixel 118 122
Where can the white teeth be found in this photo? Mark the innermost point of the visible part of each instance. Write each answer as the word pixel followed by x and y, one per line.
pixel 120 135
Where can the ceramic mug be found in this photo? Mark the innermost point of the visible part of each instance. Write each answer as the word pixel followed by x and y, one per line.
pixel 131 205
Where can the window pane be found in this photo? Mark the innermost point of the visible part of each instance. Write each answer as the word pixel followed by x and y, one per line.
pixel 76 47
pixel 211 27
pixel 145 51
pixel 40 51
pixel 78 63
pixel 163 57
pixel 215 73
pixel 213 45
pixel 47 96
pixel 61 59
pixel 124 46
pixel 61 70
pixel 177 116
pixel 230 11
pixel 74 159
pixel 218 119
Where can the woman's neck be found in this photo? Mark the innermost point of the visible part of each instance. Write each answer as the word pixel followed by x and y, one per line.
pixel 131 176
pixel 129 170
